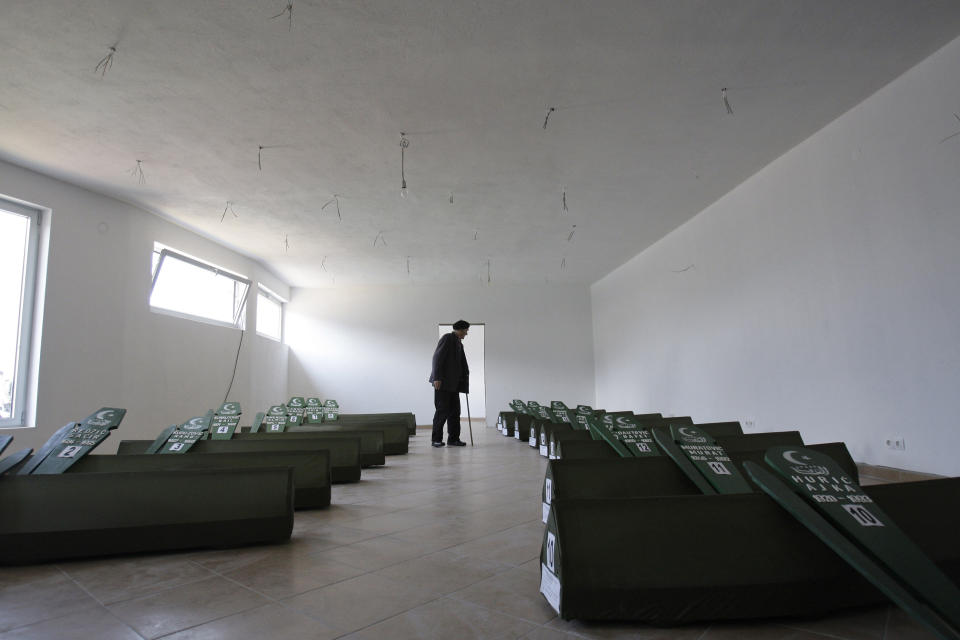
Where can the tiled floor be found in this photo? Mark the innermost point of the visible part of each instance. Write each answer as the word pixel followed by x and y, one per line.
pixel 440 543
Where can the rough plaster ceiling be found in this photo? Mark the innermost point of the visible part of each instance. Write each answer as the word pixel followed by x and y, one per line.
pixel 640 140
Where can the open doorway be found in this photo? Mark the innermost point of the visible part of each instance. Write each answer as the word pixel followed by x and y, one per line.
pixel 473 349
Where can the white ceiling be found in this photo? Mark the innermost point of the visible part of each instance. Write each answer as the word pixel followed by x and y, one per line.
pixel 640 139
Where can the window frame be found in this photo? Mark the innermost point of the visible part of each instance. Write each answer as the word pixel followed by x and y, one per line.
pixel 273 297
pixel 239 313
pixel 28 300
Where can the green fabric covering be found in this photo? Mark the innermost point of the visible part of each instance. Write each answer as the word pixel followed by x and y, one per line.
pixel 547 431
pixel 765 440
pixel 77 515
pixel 311 469
pixel 522 424
pixel 559 438
pixel 718 429
pixel 396 439
pixel 585 449
pixel 371 441
pixel 669 560
pixel 344 450
pixel 407 419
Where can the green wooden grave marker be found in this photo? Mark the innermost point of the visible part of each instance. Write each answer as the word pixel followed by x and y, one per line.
pixel 47 447
pixel 710 458
pixel 562 412
pixel 862 561
pixel 823 484
pixel 14 459
pixel 257 422
pixel 187 434
pixel 599 431
pixel 161 439
pixel 331 411
pixel 633 435
pixel 314 413
pixel 5 442
pixel 81 440
pixel 275 420
pixel 296 408
pixel 225 421
pixel 667 444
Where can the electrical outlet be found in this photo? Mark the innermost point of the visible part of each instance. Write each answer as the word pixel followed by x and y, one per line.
pixel 896 443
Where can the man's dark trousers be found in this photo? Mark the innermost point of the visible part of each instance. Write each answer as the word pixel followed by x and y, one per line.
pixel 448 410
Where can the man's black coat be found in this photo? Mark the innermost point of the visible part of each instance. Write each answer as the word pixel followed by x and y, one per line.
pixel 450 365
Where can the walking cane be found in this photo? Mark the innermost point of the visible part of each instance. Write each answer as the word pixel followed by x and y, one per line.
pixel 469 421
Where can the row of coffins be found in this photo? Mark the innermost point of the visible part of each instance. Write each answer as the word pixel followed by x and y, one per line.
pixel 674 523
pixel 205 483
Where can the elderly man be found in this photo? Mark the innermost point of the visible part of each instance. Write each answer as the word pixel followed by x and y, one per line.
pixel 450 377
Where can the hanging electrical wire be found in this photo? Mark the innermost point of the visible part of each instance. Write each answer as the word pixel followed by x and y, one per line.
pixel 488 271
pixel 563 264
pixel 323 264
pixel 380 238
pixel 564 201
pixel 546 119
pixel 286 243
pixel 954 135
pixel 106 62
pixel 572 231
pixel 137 172
pixel 289 11
pixel 229 208
pixel 408 265
pixel 404 143
pixel 726 103
pixel 334 199
pixel 476 233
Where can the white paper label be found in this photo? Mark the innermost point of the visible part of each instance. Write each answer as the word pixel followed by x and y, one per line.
pixel 546 512
pixel 550 587
pixel 548 489
pixel 543 450
pixel 532 441
pixel 516 433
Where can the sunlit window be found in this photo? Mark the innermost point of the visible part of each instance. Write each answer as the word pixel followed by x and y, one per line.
pixel 269 314
pixel 191 288
pixel 18 256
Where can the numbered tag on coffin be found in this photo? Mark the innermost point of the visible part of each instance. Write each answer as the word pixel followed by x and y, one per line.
pixel 275 420
pixel 81 440
pixel 296 407
pixel 224 423
pixel 710 459
pixel 313 417
pixel 331 411
pixel 187 434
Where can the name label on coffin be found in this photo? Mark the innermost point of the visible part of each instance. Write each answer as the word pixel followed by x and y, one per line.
pixel 550 587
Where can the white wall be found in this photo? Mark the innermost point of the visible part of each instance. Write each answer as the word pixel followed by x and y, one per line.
pixel 825 291
pixel 370 347
pixel 101 345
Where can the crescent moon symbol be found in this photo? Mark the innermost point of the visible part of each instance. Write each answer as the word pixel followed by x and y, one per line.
pixel 790 456
pixel 684 431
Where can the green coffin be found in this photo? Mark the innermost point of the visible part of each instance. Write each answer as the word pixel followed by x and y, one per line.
pixel 585 449
pixel 407 419
pixel 78 515
pixel 765 440
pixel 718 429
pixel 713 557
pixel 396 439
pixel 311 469
pixel 560 438
pixel 506 419
pixel 344 451
pixel 371 442
pixel 547 431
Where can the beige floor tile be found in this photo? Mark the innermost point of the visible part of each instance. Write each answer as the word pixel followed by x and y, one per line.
pixel 377 553
pixel 281 575
pixel 269 622
pixel 901 626
pixel 42 594
pixel 95 623
pixel 186 606
pixel 516 545
pixel 443 572
pixel 445 619
pixel 515 592
pixel 626 630
pixel 763 631
pixel 115 579
pixel 546 633
pixel 861 624
pixel 359 602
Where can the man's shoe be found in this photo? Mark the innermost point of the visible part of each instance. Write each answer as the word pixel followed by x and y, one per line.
pixel 438 444
pixel 457 443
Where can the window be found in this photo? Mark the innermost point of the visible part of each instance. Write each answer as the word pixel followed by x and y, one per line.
pixel 18 266
pixel 269 314
pixel 187 287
